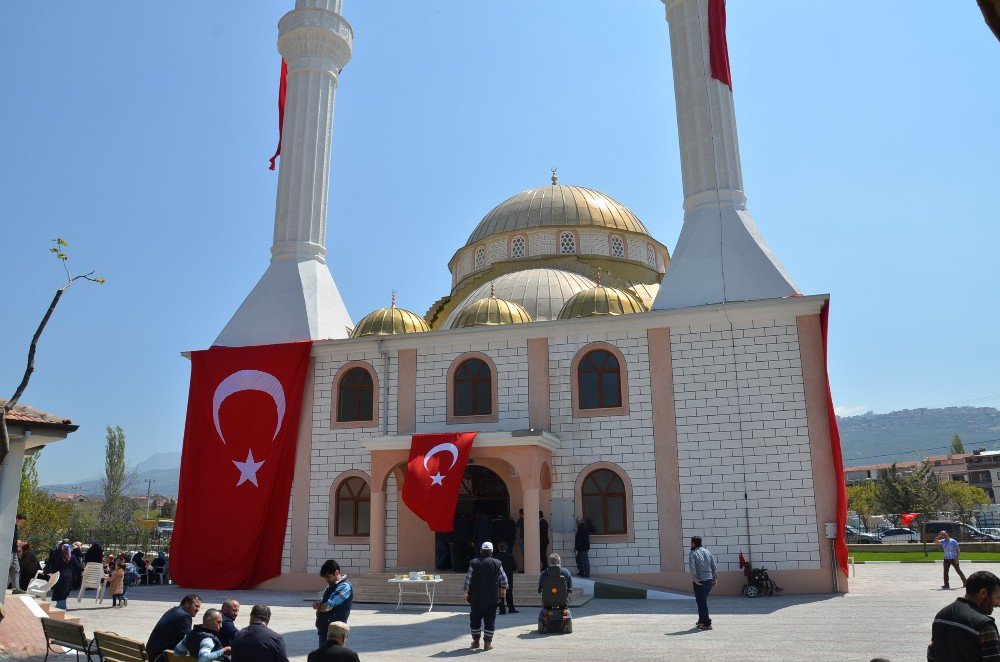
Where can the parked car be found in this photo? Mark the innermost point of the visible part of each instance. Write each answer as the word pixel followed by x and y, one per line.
pixel 991 531
pixel 858 537
pixel 899 535
pixel 958 530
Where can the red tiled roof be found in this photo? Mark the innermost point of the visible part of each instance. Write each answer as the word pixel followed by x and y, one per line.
pixel 25 414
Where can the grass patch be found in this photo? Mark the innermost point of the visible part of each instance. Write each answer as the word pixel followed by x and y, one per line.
pixel 918 557
pixel 615 592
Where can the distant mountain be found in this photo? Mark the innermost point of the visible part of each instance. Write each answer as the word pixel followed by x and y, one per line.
pixel 160 461
pixel 161 468
pixel 913 434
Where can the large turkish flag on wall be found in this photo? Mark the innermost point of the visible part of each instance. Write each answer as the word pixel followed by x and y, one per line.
pixel 434 475
pixel 237 464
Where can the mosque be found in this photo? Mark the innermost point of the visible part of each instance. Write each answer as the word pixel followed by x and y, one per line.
pixel 657 395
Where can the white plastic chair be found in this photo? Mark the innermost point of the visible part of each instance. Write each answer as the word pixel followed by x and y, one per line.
pixel 93 577
pixel 39 587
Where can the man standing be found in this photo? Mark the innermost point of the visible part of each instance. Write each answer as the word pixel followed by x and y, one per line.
pixel 203 641
pixel 581 545
pixel 704 576
pixel 964 630
pixel 485 585
pixel 335 650
pixel 337 600
pixel 15 564
pixel 230 610
pixel 951 554
pixel 543 540
pixel 257 642
pixel 173 626
pixel 519 531
pixel 509 564
pixel 508 532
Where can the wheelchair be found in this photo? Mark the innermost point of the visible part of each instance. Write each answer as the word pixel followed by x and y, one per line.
pixel 759 583
pixel 555 615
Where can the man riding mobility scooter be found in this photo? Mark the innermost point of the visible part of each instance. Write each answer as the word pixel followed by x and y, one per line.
pixel 555 615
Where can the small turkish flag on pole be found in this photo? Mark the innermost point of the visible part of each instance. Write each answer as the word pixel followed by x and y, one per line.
pixel 744 565
pixel 282 89
pixel 908 518
pixel 718 49
pixel 434 475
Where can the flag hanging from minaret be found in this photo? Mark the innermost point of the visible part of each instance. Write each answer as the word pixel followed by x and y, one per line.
pixel 718 51
pixel 282 88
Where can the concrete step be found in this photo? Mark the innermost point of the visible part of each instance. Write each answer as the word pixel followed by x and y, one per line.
pixel 58 614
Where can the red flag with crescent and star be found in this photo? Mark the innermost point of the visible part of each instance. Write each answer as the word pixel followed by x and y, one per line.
pixel 434 475
pixel 237 464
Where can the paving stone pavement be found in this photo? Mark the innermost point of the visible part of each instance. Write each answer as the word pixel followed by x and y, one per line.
pixel 887 614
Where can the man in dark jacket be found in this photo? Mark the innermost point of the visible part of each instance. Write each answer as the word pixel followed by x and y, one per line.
pixel 335 650
pixel 173 626
pixel 257 642
pixel 336 602
pixel 508 532
pixel 202 641
pixel 509 564
pixel 230 610
pixel 485 585
pixel 581 545
pixel 481 530
pixel 543 540
pixel 461 538
pixel 964 630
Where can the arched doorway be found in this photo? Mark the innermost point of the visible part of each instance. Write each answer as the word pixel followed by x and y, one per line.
pixel 482 491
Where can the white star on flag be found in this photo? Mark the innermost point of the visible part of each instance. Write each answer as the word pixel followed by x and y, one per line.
pixel 248 469
pixel 436 479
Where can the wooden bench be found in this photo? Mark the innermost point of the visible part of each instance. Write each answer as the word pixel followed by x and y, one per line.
pixel 113 648
pixel 67 635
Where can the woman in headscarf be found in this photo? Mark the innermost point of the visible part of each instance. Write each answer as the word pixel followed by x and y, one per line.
pixel 157 568
pixel 95 554
pixel 69 569
pixel 29 565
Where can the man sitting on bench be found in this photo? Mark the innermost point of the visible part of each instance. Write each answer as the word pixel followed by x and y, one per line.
pixel 555 568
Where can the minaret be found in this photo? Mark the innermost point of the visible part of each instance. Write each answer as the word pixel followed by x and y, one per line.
pixel 296 298
pixel 721 255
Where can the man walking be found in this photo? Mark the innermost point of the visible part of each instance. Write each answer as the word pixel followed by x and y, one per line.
pixel 964 630
pixel 704 576
pixel 509 564
pixel 951 554
pixel 485 585
pixel 581 545
pixel 15 563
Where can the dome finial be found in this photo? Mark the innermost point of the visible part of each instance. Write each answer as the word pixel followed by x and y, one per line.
pixel 493 290
pixel 555 179
pixel 393 304
pixel 598 276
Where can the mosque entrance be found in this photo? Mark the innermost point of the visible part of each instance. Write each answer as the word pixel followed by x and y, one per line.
pixel 482 491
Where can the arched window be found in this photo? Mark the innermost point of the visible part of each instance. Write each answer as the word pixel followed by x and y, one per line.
pixel 567 243
pixel 617 247
pixel 517 246
pixel 599 378
pixel 353 508
pixel 480 257
pixel 355 396
pixel 650 256
pixel 604 502
pixel 473 389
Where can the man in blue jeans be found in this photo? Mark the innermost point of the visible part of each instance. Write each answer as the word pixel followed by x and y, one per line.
pixel 703 576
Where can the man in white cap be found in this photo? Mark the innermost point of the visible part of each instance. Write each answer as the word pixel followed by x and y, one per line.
pixel 334 650
pixel 485 585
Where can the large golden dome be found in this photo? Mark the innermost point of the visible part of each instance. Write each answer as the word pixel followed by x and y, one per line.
pixel 557 205
pixel 601 300
pixel 491 311
pixel 390 321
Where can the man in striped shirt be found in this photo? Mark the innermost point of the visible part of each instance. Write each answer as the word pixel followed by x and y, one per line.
pixel 964 630
pixel 951 554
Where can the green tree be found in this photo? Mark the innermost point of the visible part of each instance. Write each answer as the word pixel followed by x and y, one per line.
pixel 59 250
pixel 957 447
pixel 116 513
pixel 917 491
pixel 48 518
pixel 964 499
pixel 863 500
pixel 169 509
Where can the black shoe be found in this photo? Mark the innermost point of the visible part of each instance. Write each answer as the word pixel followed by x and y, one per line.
pixel 502 613
pixel 512 610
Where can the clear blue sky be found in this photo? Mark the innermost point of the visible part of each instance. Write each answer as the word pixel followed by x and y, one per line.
pixel 140 132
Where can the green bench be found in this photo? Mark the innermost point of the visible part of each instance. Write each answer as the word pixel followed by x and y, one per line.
pixel 67 635
pixel 111 647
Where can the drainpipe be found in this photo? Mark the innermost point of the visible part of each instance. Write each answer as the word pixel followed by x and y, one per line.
pixel 385 387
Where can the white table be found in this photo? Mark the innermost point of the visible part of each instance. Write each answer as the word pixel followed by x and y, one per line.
pixel 429 587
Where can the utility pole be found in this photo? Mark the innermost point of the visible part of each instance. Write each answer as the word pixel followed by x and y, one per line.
pixel 149 487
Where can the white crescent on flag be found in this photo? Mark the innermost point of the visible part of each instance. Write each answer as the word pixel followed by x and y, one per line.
pixel 451 448
pixel 250 380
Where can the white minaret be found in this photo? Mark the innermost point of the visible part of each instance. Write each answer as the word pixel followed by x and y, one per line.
pixel 721 255
pixel 296 298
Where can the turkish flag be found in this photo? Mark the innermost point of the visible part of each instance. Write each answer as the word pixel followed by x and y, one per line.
pixel 744 565
pixel 908 518
pixel 237 464
pixel 282 91
pixel 434 475
pixel 718 49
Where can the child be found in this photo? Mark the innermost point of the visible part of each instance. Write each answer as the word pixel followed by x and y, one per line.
pixel 117 584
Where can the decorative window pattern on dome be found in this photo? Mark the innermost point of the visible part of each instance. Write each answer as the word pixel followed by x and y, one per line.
pixel 617 247
pixel 517 248
pixel 650 256
pixel 567 243
pixel 480 257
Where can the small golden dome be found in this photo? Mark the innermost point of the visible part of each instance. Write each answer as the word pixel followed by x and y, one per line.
pixel 491 311
pixel 390 321
pixel 601 300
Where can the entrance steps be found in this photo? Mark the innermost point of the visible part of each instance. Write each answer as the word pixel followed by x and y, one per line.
pixel 375 588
